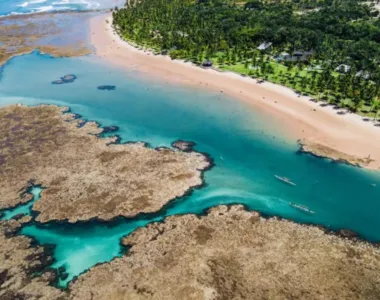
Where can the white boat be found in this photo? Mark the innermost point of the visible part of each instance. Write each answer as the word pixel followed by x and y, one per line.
pixel 284 179
pixel 302 207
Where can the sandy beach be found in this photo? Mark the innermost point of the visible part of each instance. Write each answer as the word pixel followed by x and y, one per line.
pixel 303 119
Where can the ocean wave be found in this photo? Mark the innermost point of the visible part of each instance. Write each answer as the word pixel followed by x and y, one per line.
pixel 63 2
pixel 37 1
pixel 25 4
pixel 44 8
pixel 30 7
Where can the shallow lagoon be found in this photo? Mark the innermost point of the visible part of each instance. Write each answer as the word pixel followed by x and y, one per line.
pixel 249 148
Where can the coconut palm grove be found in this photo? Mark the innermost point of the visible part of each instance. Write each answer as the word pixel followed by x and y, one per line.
pixel 329 49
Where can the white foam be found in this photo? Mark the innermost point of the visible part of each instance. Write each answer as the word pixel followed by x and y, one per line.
pixel 37 1
pixel 87 4
pixel 14 13
pixel 61 2
pixel 45 8
pixel 23 4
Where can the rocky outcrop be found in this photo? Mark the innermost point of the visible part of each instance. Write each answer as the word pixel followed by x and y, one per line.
pixel 182 145
pixel 86 176
pixel 323 151
pixel 234 254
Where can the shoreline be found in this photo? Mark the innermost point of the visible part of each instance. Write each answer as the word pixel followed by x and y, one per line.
pixel 303 119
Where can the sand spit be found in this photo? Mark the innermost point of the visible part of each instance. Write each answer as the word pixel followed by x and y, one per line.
pixel 19 262
pixel 84 176
pixel 51 33
pixel 324 151
pixel 234 254
pixel 291 114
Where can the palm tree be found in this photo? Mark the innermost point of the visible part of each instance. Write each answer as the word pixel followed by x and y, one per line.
pixel 246 66
pixel 254 59
pixel 375 107
pixel 221 60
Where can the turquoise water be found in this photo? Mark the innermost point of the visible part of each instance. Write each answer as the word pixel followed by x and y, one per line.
pixel 23 208
pixel 249 148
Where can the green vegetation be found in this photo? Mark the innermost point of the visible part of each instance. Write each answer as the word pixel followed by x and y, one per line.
pixel 308 41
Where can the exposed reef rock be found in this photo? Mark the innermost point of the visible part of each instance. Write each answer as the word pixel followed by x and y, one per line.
pixel 109 129
pixel 185 146
pixel 52 33
pixel 323 151
pixel 65 79
pixel 234 254
pixel 19 262
pixel 85 177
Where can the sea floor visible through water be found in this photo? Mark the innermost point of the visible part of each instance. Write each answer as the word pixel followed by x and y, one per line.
pixel 248 148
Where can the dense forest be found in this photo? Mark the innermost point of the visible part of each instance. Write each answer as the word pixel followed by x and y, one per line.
pixel 329 49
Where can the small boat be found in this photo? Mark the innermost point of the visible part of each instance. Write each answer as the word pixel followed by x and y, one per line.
pixel 284 179
pixel 302 208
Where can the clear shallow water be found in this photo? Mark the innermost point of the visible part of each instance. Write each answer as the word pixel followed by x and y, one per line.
pixel 23 208
pixel 247 151
pixel 11 7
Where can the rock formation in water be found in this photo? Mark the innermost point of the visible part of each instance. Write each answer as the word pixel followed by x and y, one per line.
pixel 65 79
pixel 182 145
pixel 19 265
pixel 107 87
pixel 86 176
pixel 320 150
pixel 234 254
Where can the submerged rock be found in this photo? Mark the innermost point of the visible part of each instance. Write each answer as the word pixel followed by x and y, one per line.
pixel 183 145
pixel 348 233
pixel 18 217
pixel 65 79
pixel 107 87
pixel 109 129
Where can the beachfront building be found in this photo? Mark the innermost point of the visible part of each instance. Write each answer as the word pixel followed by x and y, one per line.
pixel 296 56
pixel 300 55
pixel 363 74
pixel 282 56
pixel 265 46
pixel 343 68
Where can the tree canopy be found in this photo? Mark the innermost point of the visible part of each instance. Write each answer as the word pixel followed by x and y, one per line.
pixel 336 31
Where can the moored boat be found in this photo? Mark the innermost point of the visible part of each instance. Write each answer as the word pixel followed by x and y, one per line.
pixel 285 179
pixel 302 208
